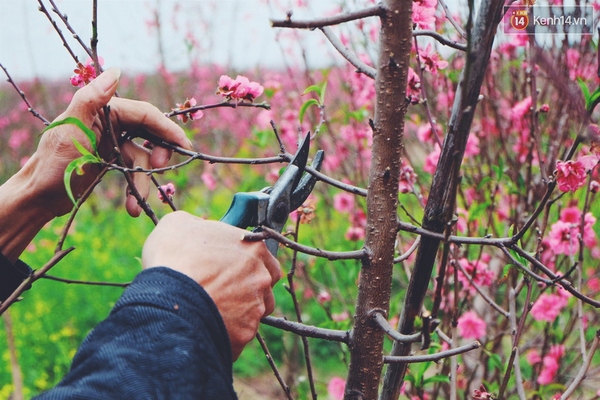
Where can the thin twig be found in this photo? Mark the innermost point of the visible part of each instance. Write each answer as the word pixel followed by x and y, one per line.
pixel 43 9
pixel 268 233
pixel 227 104
pixel 284 386
pixel 442 39
pixel 308 330
pixel 409 252
pixel 80 282
pixel 348 55
pixel 35 275
pixel 166 197
pixel 432 357
pixel 512 305
pixel 487 298
pixel 374 11
pixel 450 18
pixel 22 94
pixel 65 21
pixel 393 334
pixel 583 370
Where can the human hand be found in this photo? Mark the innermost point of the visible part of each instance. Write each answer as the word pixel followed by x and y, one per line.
pixel 238 275
pixel 56 150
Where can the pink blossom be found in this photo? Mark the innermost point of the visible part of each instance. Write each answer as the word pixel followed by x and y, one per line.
pixel 520 109
pixel 426 134
pixel 17 138
pixel 323 297
pixel 470 326
pixel 209 180
pixel 336 388
pixel 85 73
pixel 563 235
pixel 169 190
pixel 413 88
pixel 340 317
pixel 549 370
pixel 355 233
pixel 188 103
pixel 239 88
pixel 479 273
pixel 570 175
pixel 472 148
pixel 548 307
pixel 407 178
pixel 343 202
pixel 533 357
pixel 423 16
pixel 431 160
pixel 482 394
pixel 432 60
pixel 544 108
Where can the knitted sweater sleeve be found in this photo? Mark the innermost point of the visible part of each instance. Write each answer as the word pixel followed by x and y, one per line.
pixel 164 339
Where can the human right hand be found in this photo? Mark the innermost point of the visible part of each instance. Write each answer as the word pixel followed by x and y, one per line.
pixel 238 275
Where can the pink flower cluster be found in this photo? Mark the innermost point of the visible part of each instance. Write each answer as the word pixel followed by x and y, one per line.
pixel 169 191
pixel 431 59
pixel 335 388
pixel 478 271
pixel 84 73
pixel 344 203
pixel 188 116
pixel 549 363
pixel 548 306
pixel 564 233
pixel 423 15
pixel 470 326
pixel 571 175
pixel 239 88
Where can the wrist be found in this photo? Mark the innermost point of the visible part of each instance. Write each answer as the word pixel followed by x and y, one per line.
pixel 22 214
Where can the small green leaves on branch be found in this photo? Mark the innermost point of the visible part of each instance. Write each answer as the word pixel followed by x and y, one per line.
pixel 86 156
pixel 591 99
pixel 319 90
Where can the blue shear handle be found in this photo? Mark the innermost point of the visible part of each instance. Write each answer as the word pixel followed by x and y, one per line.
pixel 243 211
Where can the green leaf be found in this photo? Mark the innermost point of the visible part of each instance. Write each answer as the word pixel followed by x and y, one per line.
pixel 305 106
pixel 436 379
pixel 584 90
pixel 495 362
pixel 81 149
pixel 322 95
pixel 91 135
pixel 594 100
pixel 77 166
pixel 313 88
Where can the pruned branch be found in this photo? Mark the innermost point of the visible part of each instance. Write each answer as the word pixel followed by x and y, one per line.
pixel 374 11
pixel 432 357
pixel 442 39
pixel 268 233
pixel 308 330
pixel 393 334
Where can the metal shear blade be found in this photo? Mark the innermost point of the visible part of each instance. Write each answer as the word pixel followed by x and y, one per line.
pixel 272 206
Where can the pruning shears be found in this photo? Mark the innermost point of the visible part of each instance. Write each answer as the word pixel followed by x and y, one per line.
pixel 271 206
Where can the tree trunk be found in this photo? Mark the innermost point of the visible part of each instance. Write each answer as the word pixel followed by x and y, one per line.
pixel 441 202
pixel 366 347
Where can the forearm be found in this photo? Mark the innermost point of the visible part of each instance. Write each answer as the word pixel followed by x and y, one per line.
pixel 22 214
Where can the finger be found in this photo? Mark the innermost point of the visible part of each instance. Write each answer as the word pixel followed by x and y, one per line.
pixel 269 303
pixel 160 157
pixel 136 156
pixel 272 266
pixel 138 114
pixel 92 97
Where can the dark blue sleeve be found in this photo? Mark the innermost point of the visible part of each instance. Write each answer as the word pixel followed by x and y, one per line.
pixel 164 339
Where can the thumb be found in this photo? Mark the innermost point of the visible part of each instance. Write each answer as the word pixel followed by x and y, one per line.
pixel 92 97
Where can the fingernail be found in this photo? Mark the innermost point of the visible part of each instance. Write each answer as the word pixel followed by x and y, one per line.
pixel 108 78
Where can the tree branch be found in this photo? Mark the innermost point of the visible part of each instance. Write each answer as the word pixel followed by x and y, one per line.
pixel 432 357
pixel 361 67
pixel 395 335
pixel 308 330
pixel 442 39
pixel 22 94
pixel 374 11
pixel 268 233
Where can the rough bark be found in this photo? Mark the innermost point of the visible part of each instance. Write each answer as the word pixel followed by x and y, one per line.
pixel 441 202
pixel 366 347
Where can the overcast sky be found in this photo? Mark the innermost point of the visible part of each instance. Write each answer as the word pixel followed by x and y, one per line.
pixel 231 32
